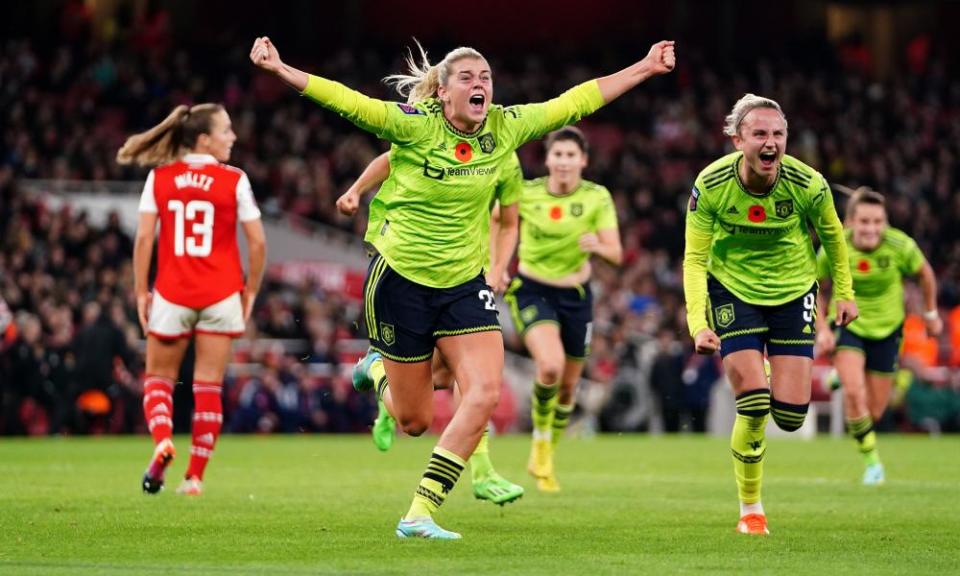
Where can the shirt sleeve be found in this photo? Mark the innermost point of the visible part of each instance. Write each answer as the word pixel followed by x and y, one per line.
pixel 911 258
pixel 699 238
pixel 527 122
pixel 823 216
pixel 392 121
pixel 607 214
pixel 510 185
pixel 247 209
pixel 148 203
pixel 823 264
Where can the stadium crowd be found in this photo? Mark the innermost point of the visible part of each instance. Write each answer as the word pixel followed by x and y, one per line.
pixel 66 109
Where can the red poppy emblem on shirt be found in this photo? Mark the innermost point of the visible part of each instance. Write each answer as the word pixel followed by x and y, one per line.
pixel 863 266
pixel 757 213
pixel 463 152
pixel 556 213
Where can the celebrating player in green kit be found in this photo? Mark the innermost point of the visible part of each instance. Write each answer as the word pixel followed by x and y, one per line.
pixel 564 220
pixel 749 278
pixel 487 483
pixel 425 288
pixel 867 350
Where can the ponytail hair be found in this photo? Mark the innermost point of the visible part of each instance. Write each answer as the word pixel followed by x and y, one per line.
pixel 166 141
pixel 423 79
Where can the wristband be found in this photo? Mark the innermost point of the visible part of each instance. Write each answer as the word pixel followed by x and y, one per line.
pixel 931 314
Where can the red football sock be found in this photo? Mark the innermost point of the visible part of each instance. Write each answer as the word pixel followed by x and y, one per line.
pixel 158 407
pixel 207 420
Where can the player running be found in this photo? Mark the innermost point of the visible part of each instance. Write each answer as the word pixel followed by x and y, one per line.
pixel 564 220
pixel 199 289
pixel 500 229
pixel 749 279
pixel 425 287
pixel 866 352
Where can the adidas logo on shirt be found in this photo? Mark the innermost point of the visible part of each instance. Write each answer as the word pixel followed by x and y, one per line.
pixel 733 210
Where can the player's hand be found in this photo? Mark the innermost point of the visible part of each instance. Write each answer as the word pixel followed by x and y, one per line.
pixel 498 281
pixel 143 309
pixel 846 312
pixel 706 342
pixel 826 341
pixel 264 55
pixel 247 300
pixel 934 325
pixel 349 202
pixel 589 243
pixel 662 58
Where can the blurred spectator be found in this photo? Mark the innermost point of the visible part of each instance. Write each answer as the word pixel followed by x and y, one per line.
pixel 64 110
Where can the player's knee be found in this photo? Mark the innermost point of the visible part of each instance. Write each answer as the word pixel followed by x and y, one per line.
pixel 414 426
pixel 485 395
pixel 550 372
pixel 789 417
pixel 442 379
pixel 854 400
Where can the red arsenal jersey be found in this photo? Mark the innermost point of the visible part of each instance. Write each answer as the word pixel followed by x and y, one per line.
pixel 198 202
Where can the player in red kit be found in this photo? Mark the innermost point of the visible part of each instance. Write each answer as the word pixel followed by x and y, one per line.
pixel 199 289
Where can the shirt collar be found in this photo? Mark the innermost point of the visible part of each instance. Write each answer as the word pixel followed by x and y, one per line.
pixel 193 158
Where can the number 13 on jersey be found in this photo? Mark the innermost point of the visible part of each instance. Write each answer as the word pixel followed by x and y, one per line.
pixel 199 213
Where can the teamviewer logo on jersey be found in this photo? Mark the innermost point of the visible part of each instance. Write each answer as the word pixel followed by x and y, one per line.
pixel 725 315
pixel 388 333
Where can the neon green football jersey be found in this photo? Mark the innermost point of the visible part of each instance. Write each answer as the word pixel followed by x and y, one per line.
pixel 433 208
pixel 762 249
pixel 551 226
pixel 878 282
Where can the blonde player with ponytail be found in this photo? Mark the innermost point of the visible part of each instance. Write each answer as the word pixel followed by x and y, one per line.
pixel 425 286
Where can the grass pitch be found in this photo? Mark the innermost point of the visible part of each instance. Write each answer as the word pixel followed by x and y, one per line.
pixel 329 505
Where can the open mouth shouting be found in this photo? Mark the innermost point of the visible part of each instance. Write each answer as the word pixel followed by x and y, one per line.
pixel 477 102
pixel 768 158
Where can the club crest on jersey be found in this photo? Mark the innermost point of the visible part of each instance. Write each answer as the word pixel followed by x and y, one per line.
pixel 487 143
pixel 883 261
pixel 694 196
pixel 388 334
pixel 528 314
pixel 576 209
pixel 408 109
pixel 724 315
pixel 784 208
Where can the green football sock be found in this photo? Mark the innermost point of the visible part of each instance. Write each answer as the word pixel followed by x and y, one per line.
pixel 748 443
pixel 480 465
pixel 862 431
pixel 379 376
pixel 542 402
pixel 441 475
pixel 561 418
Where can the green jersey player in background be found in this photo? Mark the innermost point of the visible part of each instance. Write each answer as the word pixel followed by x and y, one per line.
pixel 500 233
pixel 749 279
pixel 425 287
pixel 564 220
pixel 866 352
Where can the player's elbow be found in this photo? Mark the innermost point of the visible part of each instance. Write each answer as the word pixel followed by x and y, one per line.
pixel 616 256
